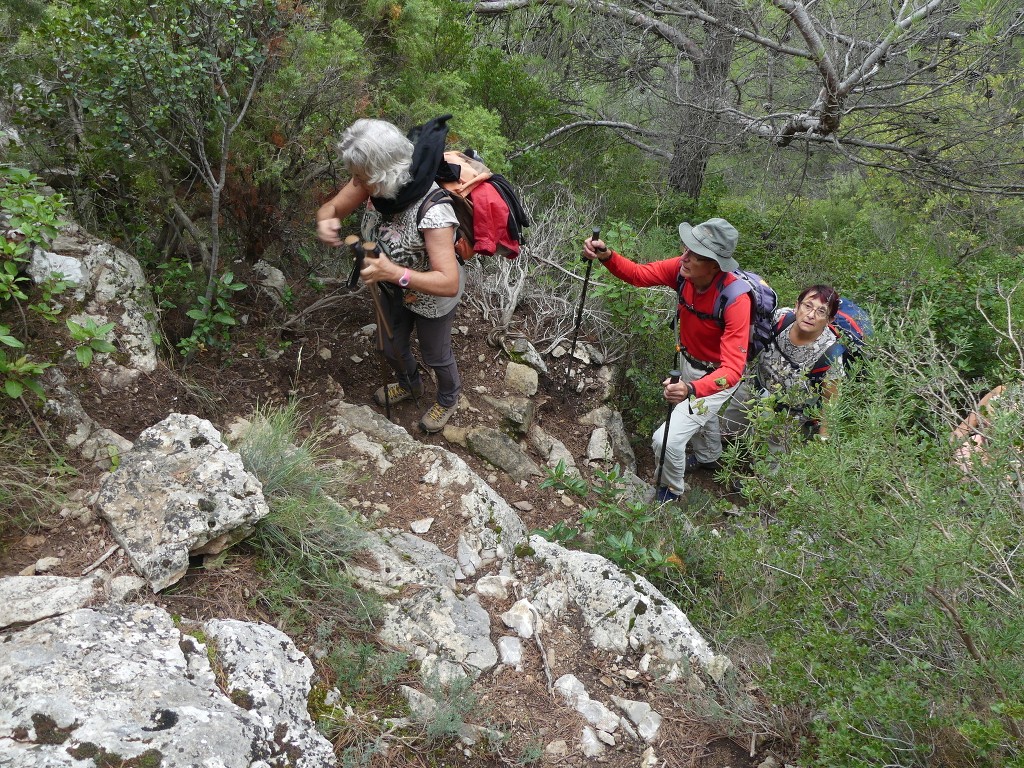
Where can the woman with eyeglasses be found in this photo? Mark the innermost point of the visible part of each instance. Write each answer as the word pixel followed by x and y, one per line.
pixel 794 373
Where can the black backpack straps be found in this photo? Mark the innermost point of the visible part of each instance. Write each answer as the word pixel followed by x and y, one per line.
pixel 719 307
pixel 828 358
pixel 439 195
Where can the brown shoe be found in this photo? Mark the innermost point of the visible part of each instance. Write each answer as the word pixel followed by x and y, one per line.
pixel 396 393
pixel 438 415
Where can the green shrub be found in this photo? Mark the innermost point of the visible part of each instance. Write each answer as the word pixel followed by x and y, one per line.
pixel 885 585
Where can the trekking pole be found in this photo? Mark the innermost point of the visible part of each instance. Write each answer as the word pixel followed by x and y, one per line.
pixel 579 311
pixel 673 379
pixel 359 253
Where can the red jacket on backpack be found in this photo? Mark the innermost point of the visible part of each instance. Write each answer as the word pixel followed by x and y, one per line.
pixel 490 216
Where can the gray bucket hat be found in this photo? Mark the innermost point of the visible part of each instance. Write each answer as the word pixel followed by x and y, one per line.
pixel 714 239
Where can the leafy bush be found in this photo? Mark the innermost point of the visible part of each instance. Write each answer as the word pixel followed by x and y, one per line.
pixel 885 585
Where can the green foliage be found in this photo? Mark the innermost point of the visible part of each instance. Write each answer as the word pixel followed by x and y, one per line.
pixel 306 540
pixel 19 374
pixel 28 218
pixel 213 318
pixel 882 587
pixel 453 702
pixel 361 669
pixel 90 338
pixel 558 477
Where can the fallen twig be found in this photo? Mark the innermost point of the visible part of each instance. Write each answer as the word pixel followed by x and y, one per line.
pixel 103 559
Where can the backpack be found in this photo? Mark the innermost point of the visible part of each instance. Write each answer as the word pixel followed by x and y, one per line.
pixel 491 216
pixel 763 302
pixel 851 325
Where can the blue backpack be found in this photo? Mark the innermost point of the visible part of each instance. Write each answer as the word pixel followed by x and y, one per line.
pixel 763 301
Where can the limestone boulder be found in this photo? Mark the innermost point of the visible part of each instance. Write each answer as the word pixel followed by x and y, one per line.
pixel 123 685
pixel 179 492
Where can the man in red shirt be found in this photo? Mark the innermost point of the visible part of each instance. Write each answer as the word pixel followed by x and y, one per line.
pixel 713 355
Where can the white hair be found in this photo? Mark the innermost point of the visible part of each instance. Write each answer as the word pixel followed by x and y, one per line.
pixel 377 151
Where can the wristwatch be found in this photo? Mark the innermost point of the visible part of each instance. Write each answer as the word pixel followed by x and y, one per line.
pixel 404 279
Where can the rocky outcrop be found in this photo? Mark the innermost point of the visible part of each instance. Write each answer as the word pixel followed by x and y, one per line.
pixel 125 685
pixel 179 492
pixel 114 288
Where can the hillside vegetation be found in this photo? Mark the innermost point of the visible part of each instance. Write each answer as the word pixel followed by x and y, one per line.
pixel 868 588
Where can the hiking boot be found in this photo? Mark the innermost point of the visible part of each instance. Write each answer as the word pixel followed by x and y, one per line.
pixel 438 415
pixel 396 393
pixel 665 495
pixel 693 464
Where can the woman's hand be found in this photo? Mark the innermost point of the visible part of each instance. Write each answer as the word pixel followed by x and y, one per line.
pixel 380 269
pixel 329 230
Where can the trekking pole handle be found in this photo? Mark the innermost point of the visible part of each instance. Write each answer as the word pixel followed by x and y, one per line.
pixel 352 242
pixel 372 250
pixel 674 376
pixel 597 236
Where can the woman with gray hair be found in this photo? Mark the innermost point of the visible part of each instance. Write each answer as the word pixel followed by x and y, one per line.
pixel 418 275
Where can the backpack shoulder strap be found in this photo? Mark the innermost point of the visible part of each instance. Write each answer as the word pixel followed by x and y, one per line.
pixel 784 322
pixel 722 299
pixel 727 294
pixel 436 197
pixel 780 328
pixel 825 362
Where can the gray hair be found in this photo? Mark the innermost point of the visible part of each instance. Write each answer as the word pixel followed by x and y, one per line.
pixel 379 152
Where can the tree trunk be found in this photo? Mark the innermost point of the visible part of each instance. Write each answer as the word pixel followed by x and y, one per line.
pixel 698 115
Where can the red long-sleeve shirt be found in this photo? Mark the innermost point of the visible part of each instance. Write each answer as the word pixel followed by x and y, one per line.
pixel 702 339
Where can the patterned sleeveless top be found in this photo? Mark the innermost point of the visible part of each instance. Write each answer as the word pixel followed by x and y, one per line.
pixel 400 238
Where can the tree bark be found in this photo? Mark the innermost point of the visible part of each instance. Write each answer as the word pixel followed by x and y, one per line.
pixel 699 116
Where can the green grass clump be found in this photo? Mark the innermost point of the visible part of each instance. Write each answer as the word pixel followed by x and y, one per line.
pixel 308 538
pixel 32 483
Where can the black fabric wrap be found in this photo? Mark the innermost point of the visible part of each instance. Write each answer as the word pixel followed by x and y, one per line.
pixel 427 155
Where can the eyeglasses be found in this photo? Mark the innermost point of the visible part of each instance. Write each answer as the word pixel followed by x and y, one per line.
pixel 814 311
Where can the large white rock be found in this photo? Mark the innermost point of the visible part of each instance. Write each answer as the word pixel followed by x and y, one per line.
pixel 179 492
pixel 25 599
pixel 625 612
pixel 126 684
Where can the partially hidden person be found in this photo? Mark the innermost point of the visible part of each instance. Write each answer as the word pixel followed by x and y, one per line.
pixel 971 436
pixel 798 370
pixel 713 354
pixel 419 277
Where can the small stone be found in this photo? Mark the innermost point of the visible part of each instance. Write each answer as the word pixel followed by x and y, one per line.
pixel 481 358
pixel 325 354
pixel 32 542
pixel 355 359
pixel 47 564
pixel 557 748
pixel 464 330
pixel 568 502
pixel 523 506
pixel 421 526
